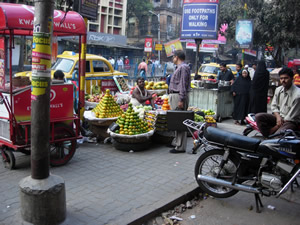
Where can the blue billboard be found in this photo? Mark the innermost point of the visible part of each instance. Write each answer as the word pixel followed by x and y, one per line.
pixel 200 19
pixel 244 33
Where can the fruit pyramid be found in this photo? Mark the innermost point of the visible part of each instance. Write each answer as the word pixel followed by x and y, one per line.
pixel 131 124
pixel 107 107
pixel 166 105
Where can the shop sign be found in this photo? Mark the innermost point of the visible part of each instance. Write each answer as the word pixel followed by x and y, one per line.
pixel 200 19
pixel 108 84
pixel 158 47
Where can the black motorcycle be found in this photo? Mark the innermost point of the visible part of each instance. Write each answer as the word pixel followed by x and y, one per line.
pixel 233 162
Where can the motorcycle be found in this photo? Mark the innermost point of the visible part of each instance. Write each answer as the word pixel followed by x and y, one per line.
pixel 233 162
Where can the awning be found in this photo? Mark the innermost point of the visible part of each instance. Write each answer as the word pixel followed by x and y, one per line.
pixel 106 44
pixel 19 19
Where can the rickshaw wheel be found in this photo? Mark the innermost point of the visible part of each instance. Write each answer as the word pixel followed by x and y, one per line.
pixel 62 152
pixel 10 161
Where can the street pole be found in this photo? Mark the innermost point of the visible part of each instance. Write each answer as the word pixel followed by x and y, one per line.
pixel 243 50
pixel 42 195
pixel 198 43
pixel 158 17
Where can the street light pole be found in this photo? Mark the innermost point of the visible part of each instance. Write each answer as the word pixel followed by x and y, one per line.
pixel 158 31
pixel 158 17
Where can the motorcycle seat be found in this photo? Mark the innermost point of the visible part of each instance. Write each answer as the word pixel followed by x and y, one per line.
pixel 231 140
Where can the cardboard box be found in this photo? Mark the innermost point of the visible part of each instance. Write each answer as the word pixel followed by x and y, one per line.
pixel 175 119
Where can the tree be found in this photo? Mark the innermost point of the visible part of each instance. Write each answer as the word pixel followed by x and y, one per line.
pixel 276 23
pixel 138 8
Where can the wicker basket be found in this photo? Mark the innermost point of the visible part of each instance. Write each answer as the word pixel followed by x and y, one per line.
pixel 20 81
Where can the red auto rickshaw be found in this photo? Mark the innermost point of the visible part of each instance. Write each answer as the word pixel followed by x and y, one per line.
pixel 15 95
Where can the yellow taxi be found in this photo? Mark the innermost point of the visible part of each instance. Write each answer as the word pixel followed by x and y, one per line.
pixel 232 67
pixel 209 69
pixel 97 68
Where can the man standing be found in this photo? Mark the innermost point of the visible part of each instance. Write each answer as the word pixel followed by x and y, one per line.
pixel 143 69
pixel 112 61
pixel 179 100
pixel 120 64
pixel 285 107
pixel 225 74
pixel 238 68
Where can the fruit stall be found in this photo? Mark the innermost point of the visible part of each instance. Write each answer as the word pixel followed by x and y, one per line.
pixel 214 97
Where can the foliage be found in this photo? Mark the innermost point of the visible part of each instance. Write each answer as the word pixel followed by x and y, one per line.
pixel 138 8
pixel 276 23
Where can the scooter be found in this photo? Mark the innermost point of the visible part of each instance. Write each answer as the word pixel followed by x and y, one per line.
pixel 251 124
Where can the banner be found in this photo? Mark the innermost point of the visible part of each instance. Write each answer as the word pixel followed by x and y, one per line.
pixel 172 46
pixel 244 33
pixel 250 52
pixel 200 19
pixel 148 45
pixel 2 62
pixel 203 47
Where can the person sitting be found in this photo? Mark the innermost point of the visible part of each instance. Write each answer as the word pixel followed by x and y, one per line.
pixel 285 107
pixel 212 78
pixel 140 95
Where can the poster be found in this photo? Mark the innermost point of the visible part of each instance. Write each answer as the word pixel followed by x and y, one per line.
pixel 244 33
pixel 172 46
pixel 2 62
pixel 148 45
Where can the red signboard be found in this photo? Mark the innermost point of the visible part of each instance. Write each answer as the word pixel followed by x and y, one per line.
pixel 2 62
pixel 61 102
pixel 148 45
pixel 108 84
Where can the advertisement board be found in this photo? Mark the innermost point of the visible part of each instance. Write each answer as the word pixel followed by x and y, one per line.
pixel 200 19
pixel 2 62
pixel 148 45
pixel 172 46
pixel 244 33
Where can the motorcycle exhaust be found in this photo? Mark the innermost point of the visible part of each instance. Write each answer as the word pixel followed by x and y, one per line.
pixel 228 184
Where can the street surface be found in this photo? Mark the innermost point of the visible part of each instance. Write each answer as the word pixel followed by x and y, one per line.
pixel 108 186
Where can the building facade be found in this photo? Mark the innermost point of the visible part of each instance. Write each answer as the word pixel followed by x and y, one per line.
pixel 168 11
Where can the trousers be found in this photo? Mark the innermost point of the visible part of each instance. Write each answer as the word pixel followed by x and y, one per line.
pixel 180 136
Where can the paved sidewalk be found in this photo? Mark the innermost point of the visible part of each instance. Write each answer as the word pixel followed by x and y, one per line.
pixel 107 186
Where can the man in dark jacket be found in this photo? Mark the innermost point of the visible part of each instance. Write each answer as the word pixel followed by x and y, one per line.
pixel 225 74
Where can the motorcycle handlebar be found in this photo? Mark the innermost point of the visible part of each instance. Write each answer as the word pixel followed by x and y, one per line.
pixel 284 133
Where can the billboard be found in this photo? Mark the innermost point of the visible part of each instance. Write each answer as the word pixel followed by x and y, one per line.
pixel 244 33
pixel 87 8
pixel 200 19
pixel 172 46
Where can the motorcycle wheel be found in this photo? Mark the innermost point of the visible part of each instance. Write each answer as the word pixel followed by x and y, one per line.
pixel 208 164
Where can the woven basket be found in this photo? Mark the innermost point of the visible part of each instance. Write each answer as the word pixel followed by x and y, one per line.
pixel 131 139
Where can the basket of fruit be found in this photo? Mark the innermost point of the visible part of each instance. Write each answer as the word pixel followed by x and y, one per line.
pixel 131 128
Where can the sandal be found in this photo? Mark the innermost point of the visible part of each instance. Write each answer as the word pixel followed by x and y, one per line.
pixel 237 123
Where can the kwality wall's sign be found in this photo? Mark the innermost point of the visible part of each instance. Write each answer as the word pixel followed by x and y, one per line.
pixel 200 19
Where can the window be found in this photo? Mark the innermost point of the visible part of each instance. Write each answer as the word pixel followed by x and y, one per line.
pixel 100 66
pixel 63 64
pixel 154 25
pixel 143 25
pixel 87 66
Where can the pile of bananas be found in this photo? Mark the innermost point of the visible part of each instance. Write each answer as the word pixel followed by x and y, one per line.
pixel 210 119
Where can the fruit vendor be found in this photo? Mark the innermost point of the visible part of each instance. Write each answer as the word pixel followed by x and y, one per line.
pixel 140 95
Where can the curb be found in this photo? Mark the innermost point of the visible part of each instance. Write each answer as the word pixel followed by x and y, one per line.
pixel 173 203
